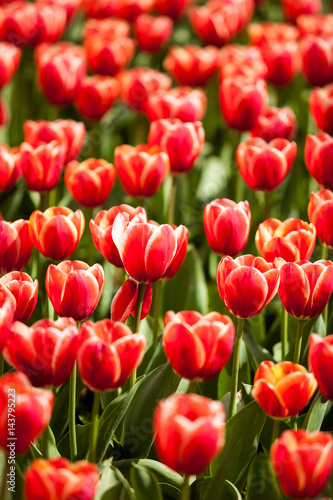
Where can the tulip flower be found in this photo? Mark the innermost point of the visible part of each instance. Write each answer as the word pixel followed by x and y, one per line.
pixel 172 8
pixel 9 60
pixel 317 64
pixel 56 232
pixel 263 165
pixel 189 432
pixel 114 27
pixel 321 362
pixel 282 59
pixel 242 60
pixel 152 33
pixel 15 244
pixel 315 24
pixel 320 210
pixel 25 292
pixel 302 462
pixel 317 154
pixel 283 389
pixel 321 107
pixel 184 103
pixel 101 230
pixel 183 142
pixel 108 55
pixel 9 170
pixel 7 310
pixel 96 96
pixel 108 353
pixel 293 9
pixel 74 288
pixel 90 182
pixel 276 123
pixel 41 166
pixel 33 408
pixel 125 300
pixel 291 240
pixel 181 234
pixel 242 101
pixel 70 480
pixel 205 340
pixel 191 65
pixel 131 9
pixel 260 33
pixel 71 6
pixel 141 169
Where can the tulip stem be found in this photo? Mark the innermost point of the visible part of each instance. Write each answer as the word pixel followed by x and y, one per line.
pixel 157 307
pixel 72 405
pixel 90 243
pixel 94 427
pixel 136 324
pixel 45 443
pixel 235 366
pixel 172 200
pixel 266 205
pixel 324 251
pixel 298 341
pixel 276 429
pixel 186 490
pixel 193 386
pixel 284 332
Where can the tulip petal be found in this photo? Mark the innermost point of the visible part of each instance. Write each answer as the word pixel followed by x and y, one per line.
pixel 266 396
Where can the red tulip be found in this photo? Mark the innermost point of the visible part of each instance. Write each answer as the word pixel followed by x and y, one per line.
pixel 172 8
pixel 112 26
pixel 91 181
pixel 74 288
pixel 260 33
pixel 25 292
pixel 33 408
pixel 291 240
pixel 246 284
pixel 242 60
pixel 7 310
pixel 56 232
pixel 108 55
pixel 101 230
pixel 181 251
pixel 225 217
pixel 45 352
pixel 71 6
pixel 131 9
pixel 317 62
pixel 189 432
pixel 317 154
pixel 138 83
pixel 282 59
pixel 45 477
pixel 9 60
pixel 41 166
pixel 283 389
pixel 306 287
pixel 321 362
pixel 321 107
pixel 124 302
pixel 183 142
pixel 97 8
pixel 320 210
pixel 242 101
pixel 96 96
pixel 276 123
pixel 315 24
pixel 15 244
pixel 263 165
pixel 141 169
pixel 191 65
pixel 9 169
pixel 302 462
pixel 108 353
pixel 184 103
pixel 294 9
pixel 197 346
pixel 152 32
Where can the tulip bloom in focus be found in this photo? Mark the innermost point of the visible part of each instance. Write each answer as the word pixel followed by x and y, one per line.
pixel 33 408
pixel 15 244
pixel 283 389
pixel 152 32
pixel 321 362
pixel 78 480
pixel 184 103
pixel 227 226
pixel 74 288
pixel 302 462
pixel 321 107
pixel 25 292
pixel 124 302
pixel 318 155
pixel 276 123
pixel 246 284
pixel 7 310
pixel 96 96
pixel 189 432
pixel 320 210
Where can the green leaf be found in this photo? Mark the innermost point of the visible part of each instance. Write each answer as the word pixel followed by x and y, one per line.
pixel 316 414
pixel 113 486
pixel 164 474
pixel 144 483
pixel 259 353
pixel 199 487
pixel 231 492
pixel 52 450
pixel 262 484
pixel 82 438
pixel 170 492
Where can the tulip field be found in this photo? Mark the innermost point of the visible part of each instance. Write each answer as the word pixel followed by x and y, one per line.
pixel 166 249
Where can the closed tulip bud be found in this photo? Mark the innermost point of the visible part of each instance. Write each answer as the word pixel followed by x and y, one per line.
pixel 317 63
pixel 263 165
pixel 321 362
pixel 96 96
pixel 9 60
pixel 141 169
pixel 242 60
pixel 108 354
pixel 90 182
pixel 291 240
pixel 302 462
pixel 320 210
pixel 189 432
pixel 315 24
pixel 74 288
pixel 183 142
pixel 78 480
pixel 321 107
pixel 7 310
pixel 246 284
pixel 56 232
pixel 131 9
pixel 101 230
pixel 293 9
pixel 33 408
pixel 276 123
pixel 317 155
pixel 172 8
pixel 184 103
pixel 242 101
pixel 108 55
pixel 25 292
pixel 15 244
pixel 282 59
pixel 124 302
pixel 205 340
pixel 283 389
pixel 227 226
pixel 138 83
pixel 305 287
pixel 192 65
pixel 114 27
pixel 9 169
pixel 152 32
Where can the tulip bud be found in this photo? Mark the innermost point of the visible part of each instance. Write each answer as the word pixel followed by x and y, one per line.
pixel 138 83
pixel 96 96
pixel 114 27
pixel 315 24
pixel 321 107
pixel 124 302
pixel 316 53
pixel 131 9
pixel 293 9
pixel 242 60
pixel 184 103
pixel 9 169
pixel 172 8
pixel 7 310
pixel 320 210
pixel 282 59
pixel 317 154
pixel 152 32
pixel 15 244
pixel 276 123
pixel 9 60
pixel 25 292
pixel 108 55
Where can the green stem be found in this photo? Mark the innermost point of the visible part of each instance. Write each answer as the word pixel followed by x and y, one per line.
pixel 157 307
pixel 90 243
pixel 193 386
pixel 284 332
pixel 324 251
pixel 172 200
pixel 53 198
pixel 276 428
pixel 235 366
pixel 45 443
pixel 72 405
pixel 136 324
pixel 19 470
pixel 298 341
pixel 239 187
pixel 186 490
pixel 3 485
pixel 94 427
pixel 266 205
pixel 44 201
pixel 2 365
